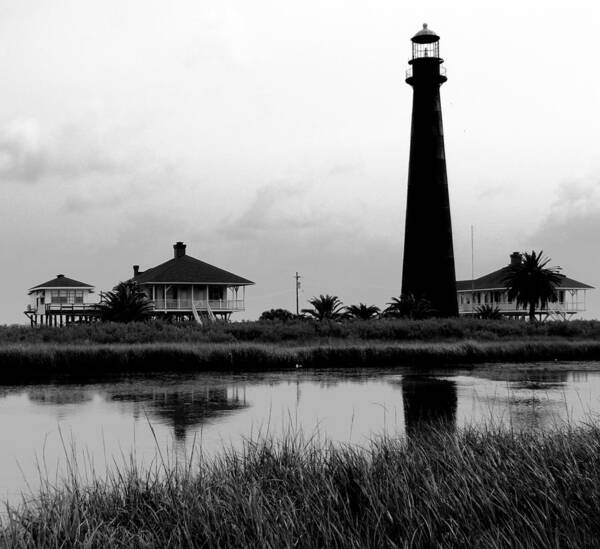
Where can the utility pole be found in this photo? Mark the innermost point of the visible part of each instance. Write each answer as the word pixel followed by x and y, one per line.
pixel 297 277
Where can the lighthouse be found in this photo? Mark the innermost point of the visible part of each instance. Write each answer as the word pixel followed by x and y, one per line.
pixel 428 264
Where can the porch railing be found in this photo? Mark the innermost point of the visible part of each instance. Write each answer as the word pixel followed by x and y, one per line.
pixel 66 307
pixel 511 307
pixel 216 305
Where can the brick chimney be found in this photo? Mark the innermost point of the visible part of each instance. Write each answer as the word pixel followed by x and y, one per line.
pixel 179 249
pixel 136 270
pixel 515 258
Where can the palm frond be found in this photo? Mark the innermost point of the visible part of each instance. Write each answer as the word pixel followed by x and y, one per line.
pixel 127 302
pixel 325 307
pixel 531 284
pixel 362 311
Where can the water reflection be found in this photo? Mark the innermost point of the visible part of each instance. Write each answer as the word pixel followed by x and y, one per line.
pixel 52 397
pixel 428 401
pixel 545 380
pixel 134 414
pixel 183 409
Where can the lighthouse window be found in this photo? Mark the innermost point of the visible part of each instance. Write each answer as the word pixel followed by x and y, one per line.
pixel 426 50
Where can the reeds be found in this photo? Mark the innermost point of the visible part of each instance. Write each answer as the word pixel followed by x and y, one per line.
pixel 298 332
pixel 490 488
pixel 77 362
pixel 83 352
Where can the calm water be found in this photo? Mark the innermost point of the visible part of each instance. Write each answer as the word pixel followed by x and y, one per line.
pixel 107 422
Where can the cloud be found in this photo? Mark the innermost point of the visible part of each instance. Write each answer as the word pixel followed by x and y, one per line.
pixel 569 235
pixel 277 207
pixel 82 203
pixel 493 191
pixel 574 216
pixel 21 155
pixel 30 153
pixel 347 169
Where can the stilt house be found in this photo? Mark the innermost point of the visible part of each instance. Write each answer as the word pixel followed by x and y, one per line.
pixel 491 290
pixel 186 288
pixel 60 301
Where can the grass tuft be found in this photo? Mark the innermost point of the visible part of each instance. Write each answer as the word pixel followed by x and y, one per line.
pixel 491 488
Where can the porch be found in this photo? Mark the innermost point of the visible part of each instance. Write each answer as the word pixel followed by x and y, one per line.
pixel 182 299
pixel 570 302
pixel 201 305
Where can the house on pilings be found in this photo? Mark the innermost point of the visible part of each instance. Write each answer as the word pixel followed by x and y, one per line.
pixel 61 301
pixel 491 290
pixel 185 288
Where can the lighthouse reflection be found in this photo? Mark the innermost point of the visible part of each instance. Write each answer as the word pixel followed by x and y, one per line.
pixel 428 402
pixel 185 409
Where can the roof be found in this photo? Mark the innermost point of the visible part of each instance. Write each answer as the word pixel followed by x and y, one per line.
pixel 61 281
pixel 189 269
pixel 425 36
pixel 495 281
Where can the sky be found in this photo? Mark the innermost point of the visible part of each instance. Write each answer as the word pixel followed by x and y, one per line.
pixel 273 137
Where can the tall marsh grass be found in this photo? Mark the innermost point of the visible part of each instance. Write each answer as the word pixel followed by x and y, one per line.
pixel 88 351
pixel 297 332
pixel 22 363
pixel 491 488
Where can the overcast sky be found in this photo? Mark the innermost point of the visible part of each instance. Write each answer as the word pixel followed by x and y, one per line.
pixel 273 137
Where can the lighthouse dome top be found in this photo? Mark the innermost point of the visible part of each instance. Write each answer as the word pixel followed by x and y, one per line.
pixel 425 36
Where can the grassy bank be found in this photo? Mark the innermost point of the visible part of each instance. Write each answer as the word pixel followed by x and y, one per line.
pixel 298 332
pixel 23 363
pixel 81 352
pixel 471 489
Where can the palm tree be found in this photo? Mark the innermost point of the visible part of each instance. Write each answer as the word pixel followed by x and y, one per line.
pixel 362 311
pixel 325 307
pixel 530 282
pixel 488 312
pixel 408 306
pixel 126 303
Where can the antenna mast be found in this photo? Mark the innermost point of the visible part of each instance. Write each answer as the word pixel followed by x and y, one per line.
pixel 297 277
pixel 472 270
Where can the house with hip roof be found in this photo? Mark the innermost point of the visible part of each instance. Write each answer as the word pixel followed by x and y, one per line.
pixel 491 290
pixel 60 301
pixel 186 288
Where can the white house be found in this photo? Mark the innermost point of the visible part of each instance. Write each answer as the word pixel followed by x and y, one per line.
pixel 60 301
pixel 491 290
pixel 185 287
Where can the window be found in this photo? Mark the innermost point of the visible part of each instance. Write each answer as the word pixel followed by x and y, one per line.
pixel 215 293
pixel 66 296
pixel 58 296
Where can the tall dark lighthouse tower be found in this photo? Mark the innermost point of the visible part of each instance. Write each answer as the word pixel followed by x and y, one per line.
pixel 428 270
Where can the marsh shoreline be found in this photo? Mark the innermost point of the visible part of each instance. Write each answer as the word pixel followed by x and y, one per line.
pixel 42 362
